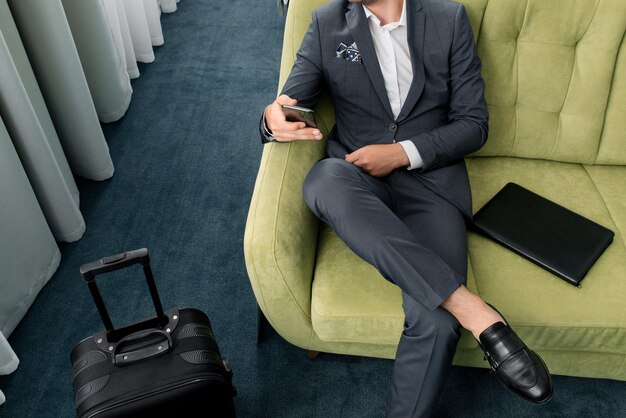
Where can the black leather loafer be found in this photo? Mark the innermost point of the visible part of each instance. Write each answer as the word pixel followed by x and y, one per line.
pixel 519 368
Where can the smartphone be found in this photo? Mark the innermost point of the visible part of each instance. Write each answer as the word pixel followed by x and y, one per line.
pixel 300 114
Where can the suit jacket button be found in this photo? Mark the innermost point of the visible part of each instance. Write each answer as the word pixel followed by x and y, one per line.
pixel 393 127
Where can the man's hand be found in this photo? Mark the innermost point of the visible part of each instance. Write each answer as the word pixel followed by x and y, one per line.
pixel 283 130
pixel 379 160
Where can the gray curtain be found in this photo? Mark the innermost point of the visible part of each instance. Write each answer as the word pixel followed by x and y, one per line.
pixel 62 74
pixel 29 254
pixel 111 102
pixel 50 47
pixel 8 361
pixel 23 110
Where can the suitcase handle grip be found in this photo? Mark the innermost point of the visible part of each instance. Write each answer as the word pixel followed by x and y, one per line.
pixel 90 270
pixel 143 353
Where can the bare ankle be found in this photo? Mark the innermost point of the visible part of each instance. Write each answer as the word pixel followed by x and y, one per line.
pixel 471 311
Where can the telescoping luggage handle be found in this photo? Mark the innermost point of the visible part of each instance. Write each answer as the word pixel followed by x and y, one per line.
pixel 89 272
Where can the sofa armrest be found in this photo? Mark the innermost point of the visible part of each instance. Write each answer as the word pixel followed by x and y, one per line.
pixel 280 239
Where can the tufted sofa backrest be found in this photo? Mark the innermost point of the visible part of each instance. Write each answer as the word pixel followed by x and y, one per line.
pixel 554 70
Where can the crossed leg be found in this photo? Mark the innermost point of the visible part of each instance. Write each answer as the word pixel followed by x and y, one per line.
pixel 428 341
pixel 417 241
pixel 358 207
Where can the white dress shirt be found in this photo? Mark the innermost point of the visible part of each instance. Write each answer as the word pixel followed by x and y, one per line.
pixel 394 57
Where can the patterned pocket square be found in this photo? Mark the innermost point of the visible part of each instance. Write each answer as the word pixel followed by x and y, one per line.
pixel 349 53
pixel 341 50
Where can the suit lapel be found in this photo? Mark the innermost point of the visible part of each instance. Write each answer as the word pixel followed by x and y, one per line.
pixel 359 28
pixel 415 31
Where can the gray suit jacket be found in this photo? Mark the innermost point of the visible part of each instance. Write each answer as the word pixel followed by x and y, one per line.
pixel 444 114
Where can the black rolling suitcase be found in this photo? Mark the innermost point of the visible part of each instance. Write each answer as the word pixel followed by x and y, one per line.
pixel 165 366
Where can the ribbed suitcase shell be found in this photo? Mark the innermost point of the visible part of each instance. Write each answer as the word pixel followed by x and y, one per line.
pixel 189 381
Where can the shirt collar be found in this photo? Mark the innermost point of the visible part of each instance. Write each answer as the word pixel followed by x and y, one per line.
pixel 389 26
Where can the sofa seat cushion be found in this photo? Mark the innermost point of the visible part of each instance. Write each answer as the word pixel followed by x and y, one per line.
pixel 547 311
pixel 351 302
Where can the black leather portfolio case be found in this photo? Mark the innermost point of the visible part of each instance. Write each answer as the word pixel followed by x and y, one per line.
pixel 550 235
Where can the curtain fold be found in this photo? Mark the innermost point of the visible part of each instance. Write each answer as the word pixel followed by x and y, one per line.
pixel 21 62
pixel 153 18
pixel 57 198
pixel 8 360
pixel 168 6
pixel 50 47
pixel 139 32
pixel 105 72
pixel 127 41
pixel 135 27
pixel 29 253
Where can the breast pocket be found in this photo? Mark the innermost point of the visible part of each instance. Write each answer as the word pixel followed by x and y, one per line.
pixel 348 79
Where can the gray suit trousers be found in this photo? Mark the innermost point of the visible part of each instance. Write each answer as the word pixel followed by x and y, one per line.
pixel 415 239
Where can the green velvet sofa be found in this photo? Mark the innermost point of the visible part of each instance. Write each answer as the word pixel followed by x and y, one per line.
pixel 555 74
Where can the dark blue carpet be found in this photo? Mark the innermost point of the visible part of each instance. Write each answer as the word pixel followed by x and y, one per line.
pixel 186 157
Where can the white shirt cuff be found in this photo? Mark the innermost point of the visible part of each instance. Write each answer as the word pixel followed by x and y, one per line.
pixel 267 131
pixel 415 159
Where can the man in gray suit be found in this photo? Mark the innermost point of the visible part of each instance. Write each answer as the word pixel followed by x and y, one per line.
pixel 404 78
